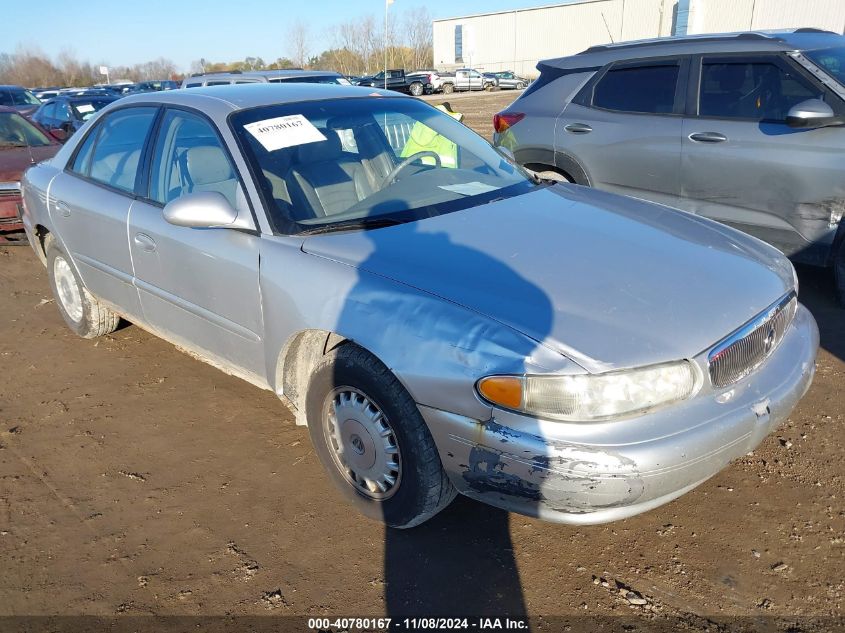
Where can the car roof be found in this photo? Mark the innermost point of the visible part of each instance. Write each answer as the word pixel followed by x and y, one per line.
pixel 267 74
pixel 744 42
pixel 220 101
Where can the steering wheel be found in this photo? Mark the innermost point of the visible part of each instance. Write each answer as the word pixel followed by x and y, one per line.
pixel 388 180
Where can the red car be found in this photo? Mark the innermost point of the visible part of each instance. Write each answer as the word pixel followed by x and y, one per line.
pixel 22 143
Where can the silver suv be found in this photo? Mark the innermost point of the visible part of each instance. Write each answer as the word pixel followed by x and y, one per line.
pixel 746 129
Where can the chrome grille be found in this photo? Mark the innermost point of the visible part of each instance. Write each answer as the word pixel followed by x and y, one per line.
pixel 9 190
pixel 746 349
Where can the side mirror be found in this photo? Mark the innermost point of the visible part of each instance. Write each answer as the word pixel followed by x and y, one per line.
pixel 207 209
pixel 811 113
pixel 59 134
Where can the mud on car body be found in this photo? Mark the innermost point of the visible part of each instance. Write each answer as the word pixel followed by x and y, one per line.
pixel 440 328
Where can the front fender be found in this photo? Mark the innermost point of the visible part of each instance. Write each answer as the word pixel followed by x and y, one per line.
pixel 436 348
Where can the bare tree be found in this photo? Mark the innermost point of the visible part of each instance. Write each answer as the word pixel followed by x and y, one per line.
pixel 299 43
pixel 419 37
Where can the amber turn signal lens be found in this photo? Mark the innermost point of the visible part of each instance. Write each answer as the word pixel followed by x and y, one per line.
pixel 502 390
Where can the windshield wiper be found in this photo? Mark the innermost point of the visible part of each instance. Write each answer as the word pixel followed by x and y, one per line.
pixel 362 224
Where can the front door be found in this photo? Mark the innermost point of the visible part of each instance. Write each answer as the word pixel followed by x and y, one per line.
pixel 198 287
pixel 744 166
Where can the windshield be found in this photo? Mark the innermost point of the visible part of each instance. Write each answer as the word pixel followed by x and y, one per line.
pixel 85 109
pixel 17 97
pixel 832 60
pixel 15 131
pixel 321 163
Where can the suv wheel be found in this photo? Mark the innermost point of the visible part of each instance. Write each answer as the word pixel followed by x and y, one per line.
pixel 372 440
pixel 552 175
pixel 416 89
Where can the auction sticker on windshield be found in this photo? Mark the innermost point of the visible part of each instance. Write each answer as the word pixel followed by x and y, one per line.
pixel 284 131
pixel 84 107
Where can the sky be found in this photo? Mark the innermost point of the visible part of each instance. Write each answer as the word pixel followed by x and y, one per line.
pixel 127 32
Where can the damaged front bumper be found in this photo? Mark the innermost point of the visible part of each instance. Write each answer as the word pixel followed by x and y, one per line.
pixel 594 473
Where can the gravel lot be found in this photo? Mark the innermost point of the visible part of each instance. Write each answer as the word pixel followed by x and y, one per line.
pixel 136 480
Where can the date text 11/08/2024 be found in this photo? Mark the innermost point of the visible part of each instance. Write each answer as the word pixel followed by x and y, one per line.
pixel 330 625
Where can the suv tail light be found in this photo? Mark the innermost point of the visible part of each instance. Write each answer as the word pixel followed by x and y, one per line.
pixel 503 120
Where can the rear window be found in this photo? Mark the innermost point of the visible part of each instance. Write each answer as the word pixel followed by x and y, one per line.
pixel 645 89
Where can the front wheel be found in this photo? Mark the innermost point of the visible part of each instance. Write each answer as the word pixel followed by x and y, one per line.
pixel 520 86
pixel 416 89
pixel 372 440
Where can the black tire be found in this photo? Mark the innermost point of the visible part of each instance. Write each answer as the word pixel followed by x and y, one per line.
pixel 423 489
pixel 94 318
pixel 448 89
pixel 416 89
pixel 839 275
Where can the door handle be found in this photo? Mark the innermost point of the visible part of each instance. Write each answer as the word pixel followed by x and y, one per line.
pixel 707 137
pixel 62 208
pixel 145 242
pixel 578 128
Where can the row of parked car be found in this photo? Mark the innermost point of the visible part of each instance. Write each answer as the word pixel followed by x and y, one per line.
pixel 431 81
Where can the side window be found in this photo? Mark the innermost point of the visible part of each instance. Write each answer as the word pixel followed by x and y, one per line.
pixel 114 161
pixel 199 85
pixel 759 90
pixel 189 158
pixel 217 83
pixel 62 111
pixel 82 161
pixel 646 89
pixel 49 112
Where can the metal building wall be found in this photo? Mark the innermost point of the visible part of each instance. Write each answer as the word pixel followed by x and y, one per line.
pixel 713 16
pixel 517 40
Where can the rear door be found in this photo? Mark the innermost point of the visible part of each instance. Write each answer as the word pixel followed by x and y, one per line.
pixel 624 128
pixel 89 204
pixel 744 166
pixel 198 287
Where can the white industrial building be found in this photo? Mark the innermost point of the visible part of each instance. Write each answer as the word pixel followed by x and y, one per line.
pixel 516 40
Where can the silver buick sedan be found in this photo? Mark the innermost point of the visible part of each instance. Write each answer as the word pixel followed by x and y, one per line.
pixel 439 320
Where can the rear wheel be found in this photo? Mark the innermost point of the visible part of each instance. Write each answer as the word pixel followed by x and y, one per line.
pixel 416 89
pixel 520 85
pixel 372 440
pixel 82 312
pixel 554 176
pixel 448 89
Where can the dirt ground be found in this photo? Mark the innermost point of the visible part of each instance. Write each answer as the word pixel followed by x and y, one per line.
pixel 136 480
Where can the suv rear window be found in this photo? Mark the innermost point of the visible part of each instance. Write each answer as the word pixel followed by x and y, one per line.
pixel 646 89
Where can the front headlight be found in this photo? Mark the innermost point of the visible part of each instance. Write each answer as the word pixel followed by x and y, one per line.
pixel 592 397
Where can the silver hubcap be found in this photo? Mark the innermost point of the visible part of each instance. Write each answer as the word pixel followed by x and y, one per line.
pixel 68 289
pixel 362 443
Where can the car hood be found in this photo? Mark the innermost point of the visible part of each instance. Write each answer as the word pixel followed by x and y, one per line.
pixel 15 160
pixel 609 281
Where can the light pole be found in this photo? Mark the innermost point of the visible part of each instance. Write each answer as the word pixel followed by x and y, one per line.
pixel 387 3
